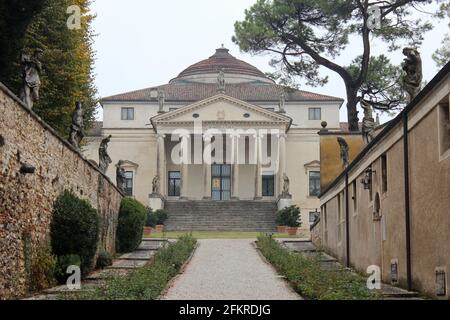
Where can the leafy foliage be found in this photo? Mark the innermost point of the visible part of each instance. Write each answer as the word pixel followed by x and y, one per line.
pixel 309 279
pixel 42 269
pixel 104 260
pixel 289 216
pixel 161 216
pixel 132 218
pixel 148 282
pixel 151 218
pixel 67 62
pixel 442 55
pixel 304 35
pixel 75 229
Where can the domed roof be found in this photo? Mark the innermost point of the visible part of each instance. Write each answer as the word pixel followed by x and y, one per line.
pixel 222 59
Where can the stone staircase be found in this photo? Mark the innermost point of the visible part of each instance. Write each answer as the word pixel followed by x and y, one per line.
pixel 206 215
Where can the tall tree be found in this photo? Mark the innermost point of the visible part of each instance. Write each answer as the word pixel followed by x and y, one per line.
pixel 67 62
pixel 15 16
pixel 307 34
pixel 442 55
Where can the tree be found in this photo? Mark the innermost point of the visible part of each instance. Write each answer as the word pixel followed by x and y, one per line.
pixel 67 61
pixel 308 34
pixel 442 55
pixel 15 16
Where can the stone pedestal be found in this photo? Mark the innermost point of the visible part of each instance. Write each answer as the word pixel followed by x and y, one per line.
pixel 156 202
pixel 284 202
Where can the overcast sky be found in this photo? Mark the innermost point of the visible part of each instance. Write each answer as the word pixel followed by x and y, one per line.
pixel 144 43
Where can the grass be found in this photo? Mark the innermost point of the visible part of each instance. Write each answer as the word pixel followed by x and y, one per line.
pixel 217 235
pixel 146 283
pixel 310 279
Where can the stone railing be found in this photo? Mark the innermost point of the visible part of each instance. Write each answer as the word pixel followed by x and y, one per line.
pixel 27 195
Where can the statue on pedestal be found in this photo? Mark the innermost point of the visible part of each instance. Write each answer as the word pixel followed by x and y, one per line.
pixel 344 152
pixel 369 123
pixel 103 156
pixel 286 184
pixel 76 129
pixel 121 179
pixel 412 65
pixel 31 69
pixel 156 185
pixel 161 101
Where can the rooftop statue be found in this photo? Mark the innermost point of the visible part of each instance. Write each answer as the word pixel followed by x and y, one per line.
pixel 121 179
pixel 31 69
pixel 282 103
pixel 76 129
pixel 344 152
pixel 369 123
pixel 221 80
pixel 161 101
pixel 412 66
pixel 104 158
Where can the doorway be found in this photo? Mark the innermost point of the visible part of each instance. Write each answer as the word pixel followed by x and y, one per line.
pixel 221 182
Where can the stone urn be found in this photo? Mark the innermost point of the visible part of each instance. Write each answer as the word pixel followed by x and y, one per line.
pixel 292 231
pixel 281 229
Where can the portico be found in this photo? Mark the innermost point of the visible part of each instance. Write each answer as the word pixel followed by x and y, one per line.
pixel 222 149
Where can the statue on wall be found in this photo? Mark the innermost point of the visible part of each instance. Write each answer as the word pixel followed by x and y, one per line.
pixel 161 100
pixel 31 69
pixel 156 185
pixel 369 123
pixel 103 156
pixel 344 152
pixel 412 66
pixel 286 184
pixel 121 178
pixel 76 129
pixel 282 103
pixel 221 80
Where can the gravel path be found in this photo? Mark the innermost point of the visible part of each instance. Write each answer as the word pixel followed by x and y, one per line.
pixel 229 270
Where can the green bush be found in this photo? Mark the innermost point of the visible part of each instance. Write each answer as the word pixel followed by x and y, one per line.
pixel 146 283
pixel 42 270
pixel 132 218
pixel 104 260
pixel 310 279
pixel 151 218
pixel 63 263
pixel 161 216
pixel 289 216
pixel 75 229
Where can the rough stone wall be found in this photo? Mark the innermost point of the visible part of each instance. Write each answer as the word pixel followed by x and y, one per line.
pixel 26 200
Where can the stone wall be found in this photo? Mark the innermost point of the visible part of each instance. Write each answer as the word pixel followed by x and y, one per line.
pixel 26 200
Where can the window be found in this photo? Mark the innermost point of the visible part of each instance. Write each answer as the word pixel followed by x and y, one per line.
pixel 268 186
pixel 129 183
pixel 174 183
pixel 221 182
pixel 355 197
pixel 127 113
pixel 371 184
pixel 315 114
pixel 384 172
pixel 314 183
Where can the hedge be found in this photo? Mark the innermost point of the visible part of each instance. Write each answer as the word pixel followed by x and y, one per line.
pixel 132 219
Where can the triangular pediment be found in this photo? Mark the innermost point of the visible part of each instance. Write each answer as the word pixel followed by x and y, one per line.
pixel 221 108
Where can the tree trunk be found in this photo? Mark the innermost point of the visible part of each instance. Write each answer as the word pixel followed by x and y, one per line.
pixel 352 112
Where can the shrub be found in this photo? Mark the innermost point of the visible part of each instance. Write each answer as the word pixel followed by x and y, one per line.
pixel 132 218
pixel 161 216
pixel 42 269
pixel 63 263
pixel 75 229
pixel 148 282
pixel 310 279
pixel 104 260
pixel 289 216
pixel 151 218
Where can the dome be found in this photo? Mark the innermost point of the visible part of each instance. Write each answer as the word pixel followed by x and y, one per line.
pixel 236 71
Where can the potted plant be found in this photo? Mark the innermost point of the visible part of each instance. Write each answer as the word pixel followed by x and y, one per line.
pixel 150 222
pixel 281 224
pixel 292 219
pixel 161 217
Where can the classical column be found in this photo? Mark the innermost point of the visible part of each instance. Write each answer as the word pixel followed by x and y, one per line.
pixel 207 167
pixel 281 160
pixel 184 166
pixel 235 162
pixel 258 171
pixel 161 163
